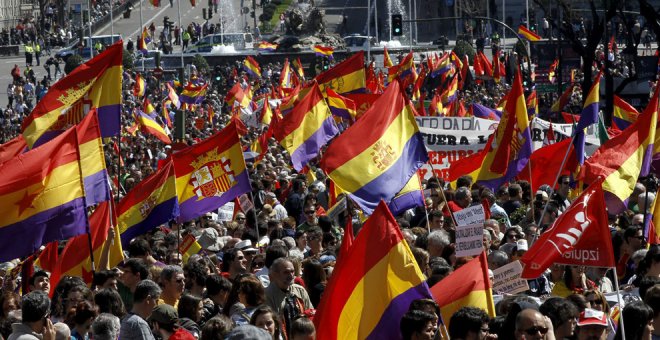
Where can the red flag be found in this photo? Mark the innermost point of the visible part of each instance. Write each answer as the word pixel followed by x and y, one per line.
pixel 580 236
pixel 545 163
pixel 48 257
pixel 570 118
pixel 12 148
pixel 347 240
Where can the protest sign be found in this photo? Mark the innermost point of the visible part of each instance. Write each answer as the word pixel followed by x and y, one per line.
pixel 226 212
pixel 448 146
pixel 540 129
pixel 457 123
pixel 244 203
pixel 506 279
pixel 470 215
pixel 469 240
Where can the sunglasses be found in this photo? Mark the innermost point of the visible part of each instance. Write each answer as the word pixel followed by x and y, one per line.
pixel 535 330
pixel 516 236
pixel 309 212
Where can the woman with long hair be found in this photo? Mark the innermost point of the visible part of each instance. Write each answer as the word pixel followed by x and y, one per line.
pixel 315 280
pixel 246 294
pixel 638 322
pixel 190 310
pixel 264 317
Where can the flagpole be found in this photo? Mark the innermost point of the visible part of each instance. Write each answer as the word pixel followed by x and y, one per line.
pixel 563 162
pixel 618 299
pixel 112 25
pixel 442 194
pixel 84 197
pixel 178 5
pixel 140 39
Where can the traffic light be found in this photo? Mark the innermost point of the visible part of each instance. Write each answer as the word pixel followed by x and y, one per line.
pixel 210 12
pixel 397 25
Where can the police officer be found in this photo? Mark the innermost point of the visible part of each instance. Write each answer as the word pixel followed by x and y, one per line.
pixel 28 54
pixel 37 51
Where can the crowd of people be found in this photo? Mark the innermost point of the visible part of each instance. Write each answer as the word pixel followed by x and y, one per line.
pixel 262 272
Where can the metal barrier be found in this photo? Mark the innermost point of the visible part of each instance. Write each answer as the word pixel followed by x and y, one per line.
pixel 9 50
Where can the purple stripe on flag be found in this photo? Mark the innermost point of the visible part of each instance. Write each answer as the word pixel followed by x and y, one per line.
pixel 391 181
pixel 515 166
pixel 191 100
pixel 621 123
pixel 588 116
pixel 96 188
pixel 58 223
pixel 481 111
pixel 160 214
pixel 310 148
pixel 339 112
pixel 109 120
pixel 646 162
pixel 406 201
pixel 193 208
pixel 388 326
pixel 614 204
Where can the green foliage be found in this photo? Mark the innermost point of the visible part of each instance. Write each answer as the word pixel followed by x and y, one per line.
pixel 72 62
pixel 127 60
pixel 462 48
pixel 201 64
pixel 520 48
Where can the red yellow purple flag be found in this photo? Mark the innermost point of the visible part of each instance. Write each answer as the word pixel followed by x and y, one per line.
pixel 152 202
pixel 75 258
pixel 372 285
pixel 307 128
pixel 43 197
pixel 210 173
pixel 347 76
pixel 95 84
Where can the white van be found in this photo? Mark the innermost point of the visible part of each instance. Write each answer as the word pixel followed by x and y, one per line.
pixel 240 41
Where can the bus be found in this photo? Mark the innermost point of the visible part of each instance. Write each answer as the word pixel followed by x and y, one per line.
pixel 240 41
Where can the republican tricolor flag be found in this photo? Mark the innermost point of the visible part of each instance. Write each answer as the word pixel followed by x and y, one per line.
pixel 528 34
pixel 372 285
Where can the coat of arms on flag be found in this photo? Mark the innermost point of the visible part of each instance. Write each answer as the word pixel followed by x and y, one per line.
pixel 212 177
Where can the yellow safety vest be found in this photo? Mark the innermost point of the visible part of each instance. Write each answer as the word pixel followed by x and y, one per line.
pixel 28 49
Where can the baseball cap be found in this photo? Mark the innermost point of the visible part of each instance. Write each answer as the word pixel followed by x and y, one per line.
pixel 592 317
pixel 164 314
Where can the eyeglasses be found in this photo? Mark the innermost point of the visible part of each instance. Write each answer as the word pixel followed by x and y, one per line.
pixel 641 238
pixel 536 329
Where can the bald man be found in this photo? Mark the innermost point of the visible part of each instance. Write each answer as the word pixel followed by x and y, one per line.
pixel 532 325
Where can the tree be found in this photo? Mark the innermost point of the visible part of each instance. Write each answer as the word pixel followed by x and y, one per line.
pixel 72 62
pixel 586 50
pixel 127 60
pixel 201 64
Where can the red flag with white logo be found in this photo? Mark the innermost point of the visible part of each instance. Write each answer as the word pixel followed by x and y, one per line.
pixel 580 236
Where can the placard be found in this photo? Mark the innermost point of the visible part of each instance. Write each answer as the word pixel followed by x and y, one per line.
pixel 506 279
pixel 470 215
pixel 226 212
pixel 469 240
